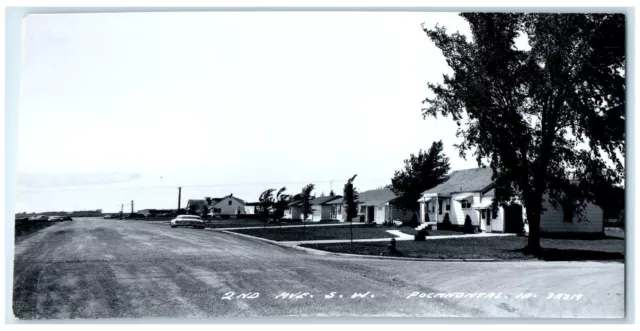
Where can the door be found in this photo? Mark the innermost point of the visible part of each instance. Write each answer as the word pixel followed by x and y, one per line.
pixel 334 212
pixel 370 211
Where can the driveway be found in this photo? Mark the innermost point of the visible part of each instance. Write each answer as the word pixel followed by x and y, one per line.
pixel 96 268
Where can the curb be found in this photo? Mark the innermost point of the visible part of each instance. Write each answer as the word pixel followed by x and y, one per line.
pixel 325 253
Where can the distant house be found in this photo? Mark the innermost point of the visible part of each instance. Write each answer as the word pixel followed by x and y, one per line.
pixel 378 206
pixel 197 204
pixel 250 207
pixel 470 192
pixel 228 205
pixel 323 208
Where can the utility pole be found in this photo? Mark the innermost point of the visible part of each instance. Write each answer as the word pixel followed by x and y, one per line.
pixel 121 209
pixel 132 206
pixel 179 195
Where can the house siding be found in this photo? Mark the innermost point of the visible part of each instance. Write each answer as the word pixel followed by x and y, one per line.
pixel 235 207
pixel 397 214
pixel 552 220
pixel 457 214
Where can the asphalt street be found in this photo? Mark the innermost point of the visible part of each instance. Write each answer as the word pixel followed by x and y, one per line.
pixel 95 268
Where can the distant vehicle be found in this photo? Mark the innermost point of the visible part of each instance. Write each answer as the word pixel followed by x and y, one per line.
pixel 39 218
pixel 55 219
pixel 187 220
pixel 135 215
pixel 111 216
pixel 66 218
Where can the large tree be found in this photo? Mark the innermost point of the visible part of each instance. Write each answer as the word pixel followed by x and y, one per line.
pixel 421 172
pixel 541 113
pixel 350 196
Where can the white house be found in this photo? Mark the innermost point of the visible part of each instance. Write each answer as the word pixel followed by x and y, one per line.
pixel 250 208
pixel 324 208
pixel 470 192
pixel 228 205
pixel 377 206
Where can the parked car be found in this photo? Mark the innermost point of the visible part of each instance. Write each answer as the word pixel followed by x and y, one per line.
pixel 187 220
pixel 66 218
pixel 55 219
pixel 39 218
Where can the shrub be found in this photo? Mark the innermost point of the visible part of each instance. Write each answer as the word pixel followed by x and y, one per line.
pixel 421 235
pixel 468 227
pixel 414 221
pixel 446 223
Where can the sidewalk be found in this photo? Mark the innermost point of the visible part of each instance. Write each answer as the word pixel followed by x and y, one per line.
pixel 284 226
pixel 402 238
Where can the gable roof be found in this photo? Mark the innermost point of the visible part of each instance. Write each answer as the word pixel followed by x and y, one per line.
pixel 215 201
pixel 336 201
pixel 468 180
pixel 376 197
pixel 323 200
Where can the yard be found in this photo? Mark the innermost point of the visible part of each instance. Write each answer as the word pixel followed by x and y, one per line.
pixel 610 247
pixel 339 232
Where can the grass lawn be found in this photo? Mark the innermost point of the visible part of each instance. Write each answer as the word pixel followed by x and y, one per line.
pixel 505 248
pixel 321 233
pixel 234 223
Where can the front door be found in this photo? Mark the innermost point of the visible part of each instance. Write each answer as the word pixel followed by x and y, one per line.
pixel 334 212
pixel 370 211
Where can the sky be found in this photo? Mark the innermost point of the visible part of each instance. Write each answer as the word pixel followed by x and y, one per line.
pixel 120 107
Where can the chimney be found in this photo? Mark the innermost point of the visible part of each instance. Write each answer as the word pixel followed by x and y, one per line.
pixel 231 195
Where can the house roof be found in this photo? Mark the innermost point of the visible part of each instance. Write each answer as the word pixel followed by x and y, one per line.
pixel 469 180
pixel 376 197
pixel 324 200
pixel 336 201
pixel 215 201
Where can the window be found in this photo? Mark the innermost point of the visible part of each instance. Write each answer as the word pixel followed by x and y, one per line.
pixel 448 207
pixel 362 209
pixel 229 202
pixel 440 207
pixel 465 204
pixel 339 209
pixel 379 207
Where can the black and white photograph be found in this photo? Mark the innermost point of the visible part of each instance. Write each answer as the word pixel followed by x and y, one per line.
pixel 209 165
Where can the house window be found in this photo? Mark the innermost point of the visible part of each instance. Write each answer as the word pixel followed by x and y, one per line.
pixel 362 209
pixel 229 202
pixel 448 207
pixel 465 204
pixel 379 207
pixel 339 209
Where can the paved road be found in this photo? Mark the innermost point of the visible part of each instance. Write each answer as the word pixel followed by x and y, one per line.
pixel 96 268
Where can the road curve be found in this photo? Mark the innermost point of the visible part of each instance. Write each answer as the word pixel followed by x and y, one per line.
pixel 95 268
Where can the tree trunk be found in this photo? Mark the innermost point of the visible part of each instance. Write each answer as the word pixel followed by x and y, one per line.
pixel 533 218
pixel 351 228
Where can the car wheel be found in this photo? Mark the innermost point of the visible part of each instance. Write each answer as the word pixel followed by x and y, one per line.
pixel 174 226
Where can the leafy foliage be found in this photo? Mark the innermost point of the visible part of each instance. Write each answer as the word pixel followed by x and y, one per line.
pixel 265 204
pixel 421 172
pixel 538 114
pixel 281 204
pixel 306 197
